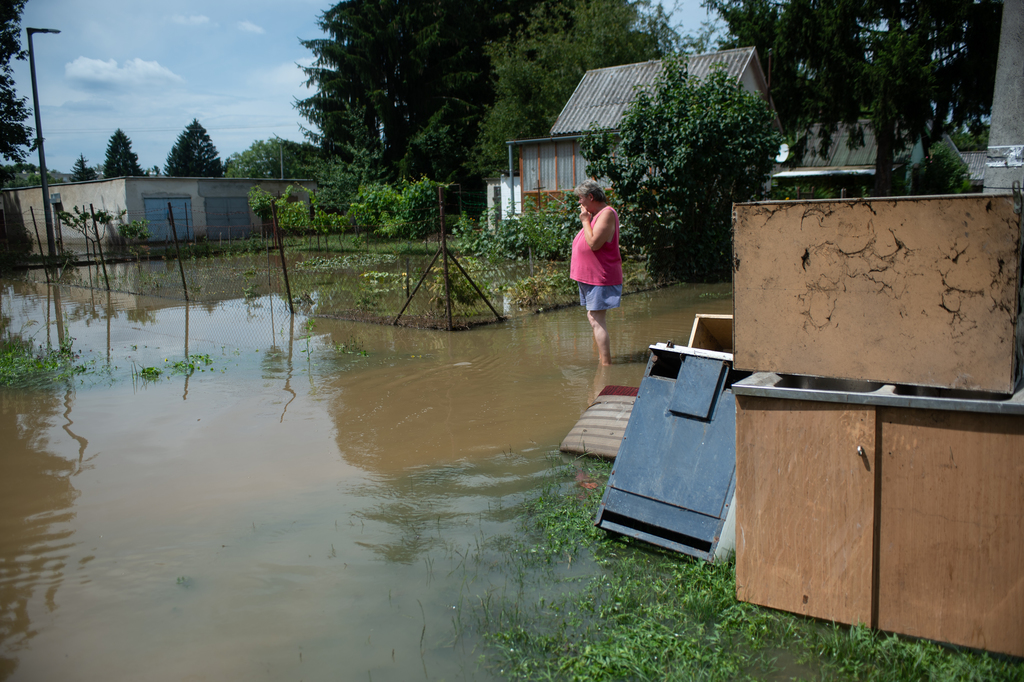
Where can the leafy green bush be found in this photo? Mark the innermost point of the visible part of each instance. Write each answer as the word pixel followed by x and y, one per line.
pixel 136 229
pixel 407 211
pixel 688 149
pixel 548 233
pixel 551 285
pixel 943 172
pixel 464 296
pixel 293 214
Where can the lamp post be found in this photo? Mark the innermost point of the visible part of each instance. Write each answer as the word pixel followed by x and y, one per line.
pixel 50 243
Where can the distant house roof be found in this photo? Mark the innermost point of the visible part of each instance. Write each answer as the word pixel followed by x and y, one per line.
pixel 976 164
pixel 603 95
pixel 841 158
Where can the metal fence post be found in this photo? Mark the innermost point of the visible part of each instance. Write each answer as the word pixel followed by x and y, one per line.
pixel 177 249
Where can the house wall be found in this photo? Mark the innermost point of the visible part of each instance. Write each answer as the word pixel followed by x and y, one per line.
pixel 511 194
pixel 21 204
pixel 130 195
pixel 555 165
pixel 549 168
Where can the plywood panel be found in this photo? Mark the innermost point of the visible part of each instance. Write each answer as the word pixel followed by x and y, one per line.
pixel 914 291
pixel 805 507
pixel 951 549
pixel 711 332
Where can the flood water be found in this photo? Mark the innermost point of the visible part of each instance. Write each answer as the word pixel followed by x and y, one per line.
pixel 291 510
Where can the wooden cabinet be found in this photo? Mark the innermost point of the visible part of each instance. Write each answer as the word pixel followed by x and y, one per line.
pixel 909 520
pixel 805 523
pixel 951 538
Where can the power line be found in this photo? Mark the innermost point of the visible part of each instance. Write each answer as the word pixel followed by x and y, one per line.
pixel 77 131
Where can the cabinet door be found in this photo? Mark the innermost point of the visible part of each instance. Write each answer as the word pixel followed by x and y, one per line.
pixel 805 507
pixel 951 537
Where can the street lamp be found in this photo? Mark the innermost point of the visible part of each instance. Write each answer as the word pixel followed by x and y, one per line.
pixel 50 243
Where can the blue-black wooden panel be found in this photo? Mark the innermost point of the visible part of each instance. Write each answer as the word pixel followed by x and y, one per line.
pixel 659 538
pixel 664 515
pixel 683 461
pixel 697 386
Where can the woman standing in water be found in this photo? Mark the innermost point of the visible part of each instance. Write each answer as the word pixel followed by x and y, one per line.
pixel 596 264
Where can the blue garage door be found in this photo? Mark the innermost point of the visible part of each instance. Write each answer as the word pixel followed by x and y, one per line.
pixel 227 217
pixel 159 227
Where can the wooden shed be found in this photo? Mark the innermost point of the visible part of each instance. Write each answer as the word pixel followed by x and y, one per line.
pixel 554 164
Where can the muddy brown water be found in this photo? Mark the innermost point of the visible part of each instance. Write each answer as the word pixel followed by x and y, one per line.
pixel 292 510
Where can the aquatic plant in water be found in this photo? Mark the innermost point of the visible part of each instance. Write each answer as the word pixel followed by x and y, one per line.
pixel 21 362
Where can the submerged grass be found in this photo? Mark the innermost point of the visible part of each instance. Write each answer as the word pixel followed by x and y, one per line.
pixel 638 613
pixel 23 364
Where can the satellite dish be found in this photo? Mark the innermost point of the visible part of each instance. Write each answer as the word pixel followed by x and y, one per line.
pixel 783 154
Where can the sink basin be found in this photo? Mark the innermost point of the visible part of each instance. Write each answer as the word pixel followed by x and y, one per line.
pixel 827 384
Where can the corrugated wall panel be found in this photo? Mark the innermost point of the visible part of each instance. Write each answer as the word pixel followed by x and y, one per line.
pixel 529 169
pixel 566 164
pixel 548 180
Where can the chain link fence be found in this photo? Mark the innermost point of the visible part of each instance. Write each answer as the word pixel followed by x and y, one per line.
pixel 384 282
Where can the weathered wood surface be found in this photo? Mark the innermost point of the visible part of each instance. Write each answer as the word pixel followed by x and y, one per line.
pixel 805 507
pixel 951 550
pixel 711 332
pixel 911 290
pixel 599 431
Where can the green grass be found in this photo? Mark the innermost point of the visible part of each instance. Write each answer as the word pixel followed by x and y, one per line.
pixel 22 364
pixel 636 612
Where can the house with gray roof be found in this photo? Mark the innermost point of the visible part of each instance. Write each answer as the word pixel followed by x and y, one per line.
pixel 551 165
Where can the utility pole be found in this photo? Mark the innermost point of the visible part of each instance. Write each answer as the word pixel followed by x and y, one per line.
pixel 50 243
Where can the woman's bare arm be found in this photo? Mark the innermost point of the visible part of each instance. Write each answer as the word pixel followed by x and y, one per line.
pixel 601 231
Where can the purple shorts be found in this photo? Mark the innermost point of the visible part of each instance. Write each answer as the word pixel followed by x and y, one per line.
pixel 597 297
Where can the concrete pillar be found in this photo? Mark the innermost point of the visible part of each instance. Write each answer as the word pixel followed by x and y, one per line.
pixel 1006 135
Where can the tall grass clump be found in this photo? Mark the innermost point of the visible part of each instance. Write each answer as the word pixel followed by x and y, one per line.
pixel 22 363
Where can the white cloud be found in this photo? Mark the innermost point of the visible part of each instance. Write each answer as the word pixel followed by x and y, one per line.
pixel 193 20
pixel 250 27
pixel 136 72
pixel 282 82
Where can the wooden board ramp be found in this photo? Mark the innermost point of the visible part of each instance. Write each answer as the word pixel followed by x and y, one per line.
pixel 599 431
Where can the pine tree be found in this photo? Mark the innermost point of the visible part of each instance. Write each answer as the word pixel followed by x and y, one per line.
pixel 15 135
pixel 121 160
pixel 81 170
pixel 193 155
pixel 914 69
pixel 407 80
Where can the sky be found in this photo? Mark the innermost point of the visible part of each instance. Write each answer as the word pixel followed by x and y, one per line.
pixel 149 68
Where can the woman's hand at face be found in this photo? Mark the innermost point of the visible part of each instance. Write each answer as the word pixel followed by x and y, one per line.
pixel 585 215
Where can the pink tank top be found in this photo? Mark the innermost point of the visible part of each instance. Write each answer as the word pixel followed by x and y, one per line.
pixel 602 267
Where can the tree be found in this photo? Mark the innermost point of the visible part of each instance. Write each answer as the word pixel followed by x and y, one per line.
pixel 81 170
pixel 943 171
pixel 14 134
pixel 914 69
pixel 265 157
pixel 688 150
pixel 121 160
pixel 537 69
pixel 193 155
pixel 408 77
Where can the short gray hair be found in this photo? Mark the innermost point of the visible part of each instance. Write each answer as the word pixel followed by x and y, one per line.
pixel 591 187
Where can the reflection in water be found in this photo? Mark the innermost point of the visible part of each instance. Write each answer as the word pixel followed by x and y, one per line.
pixel 36 498
pixel 69 401
pixel 272 526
